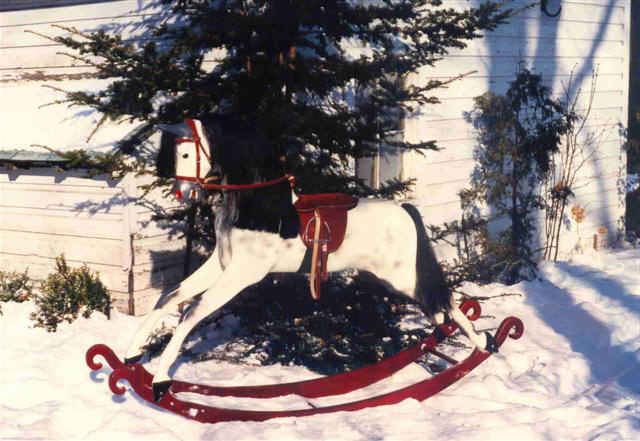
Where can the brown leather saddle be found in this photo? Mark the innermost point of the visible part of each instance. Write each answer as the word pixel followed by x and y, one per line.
pixel 323 223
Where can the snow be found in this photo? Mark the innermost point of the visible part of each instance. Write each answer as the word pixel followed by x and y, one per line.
pixel 573 375
pixel 72 127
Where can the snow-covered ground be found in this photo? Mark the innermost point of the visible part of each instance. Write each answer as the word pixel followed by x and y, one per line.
pixel 575 374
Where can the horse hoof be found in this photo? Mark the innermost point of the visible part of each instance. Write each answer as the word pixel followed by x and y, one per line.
pixel 160 389
pixel 492 345
pixel 132 360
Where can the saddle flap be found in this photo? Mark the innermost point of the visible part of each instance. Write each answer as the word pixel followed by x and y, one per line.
pixel 332 209
pixel 323 224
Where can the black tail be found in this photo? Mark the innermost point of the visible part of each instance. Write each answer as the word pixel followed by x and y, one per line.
pixel 432 290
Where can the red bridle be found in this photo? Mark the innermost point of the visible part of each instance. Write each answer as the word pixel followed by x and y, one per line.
pixel 204 183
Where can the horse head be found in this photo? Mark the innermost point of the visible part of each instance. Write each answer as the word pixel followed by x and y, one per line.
pixel 223 159
pixel 185 155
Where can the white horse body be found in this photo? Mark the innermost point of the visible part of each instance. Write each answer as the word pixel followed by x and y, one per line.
pixel 372 245
pixel 381 238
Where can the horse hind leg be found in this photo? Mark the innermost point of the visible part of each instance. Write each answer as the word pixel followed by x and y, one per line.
pixel 482 342
pixel 431 286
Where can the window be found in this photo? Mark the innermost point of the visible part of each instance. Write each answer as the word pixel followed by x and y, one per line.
pixel 380 169
pixel 386 165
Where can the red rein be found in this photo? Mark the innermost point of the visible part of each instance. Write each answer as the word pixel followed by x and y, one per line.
pixel 209 186
pixel 289 178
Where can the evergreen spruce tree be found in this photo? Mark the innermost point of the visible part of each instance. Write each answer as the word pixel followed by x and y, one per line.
pixel 324 80
pixel 327 82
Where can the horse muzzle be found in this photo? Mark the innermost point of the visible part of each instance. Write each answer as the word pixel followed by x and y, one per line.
pixel 187 191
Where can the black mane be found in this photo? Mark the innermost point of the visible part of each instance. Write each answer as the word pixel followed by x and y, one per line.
pixel 243 155
pixel 166 159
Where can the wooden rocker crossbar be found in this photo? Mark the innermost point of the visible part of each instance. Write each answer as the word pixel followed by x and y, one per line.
pixel 141 380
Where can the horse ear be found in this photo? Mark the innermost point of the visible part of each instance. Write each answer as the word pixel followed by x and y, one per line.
pixel 181 130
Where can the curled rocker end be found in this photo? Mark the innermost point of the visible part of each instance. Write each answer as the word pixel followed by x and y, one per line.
pixel 471 308
pixel 106 352
pixel 117 375
pixel 510 327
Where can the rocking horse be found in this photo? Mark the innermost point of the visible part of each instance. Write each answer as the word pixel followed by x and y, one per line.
pixel 262 225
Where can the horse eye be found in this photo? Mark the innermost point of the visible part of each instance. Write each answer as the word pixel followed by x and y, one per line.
pixel 185 156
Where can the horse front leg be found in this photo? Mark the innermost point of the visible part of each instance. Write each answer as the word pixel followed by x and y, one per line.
pixel 202 279
pixel 238 275
pixel 224 248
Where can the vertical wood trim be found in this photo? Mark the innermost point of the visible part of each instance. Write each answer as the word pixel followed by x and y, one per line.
pixel 375 172
pixel 132 194
pixel 628 45
pixel 632 39
pixel 129 227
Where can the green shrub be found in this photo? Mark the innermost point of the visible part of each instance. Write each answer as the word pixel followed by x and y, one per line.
pixel 15 287
pixel 519 135
pixel 68 292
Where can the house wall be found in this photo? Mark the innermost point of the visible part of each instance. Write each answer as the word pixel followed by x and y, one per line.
pixel 45 212
pixel 587 35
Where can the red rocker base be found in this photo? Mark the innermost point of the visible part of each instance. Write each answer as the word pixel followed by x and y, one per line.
pixel 141 380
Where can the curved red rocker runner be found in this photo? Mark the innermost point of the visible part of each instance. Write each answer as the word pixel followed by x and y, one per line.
pixel 140 379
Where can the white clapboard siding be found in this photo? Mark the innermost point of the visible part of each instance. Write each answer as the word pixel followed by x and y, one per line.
pixel 45 213
pixel 30 29
pixel 21 48
pixel 60 223
pixel 39 267
pixel 588 36
pixel 459 141
pixel 65 223
pixel 448 178
pixel 500 67
pixel 76 248
pixel 457 107
pixel 95 200
pixel 457 128
pixel 158 274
